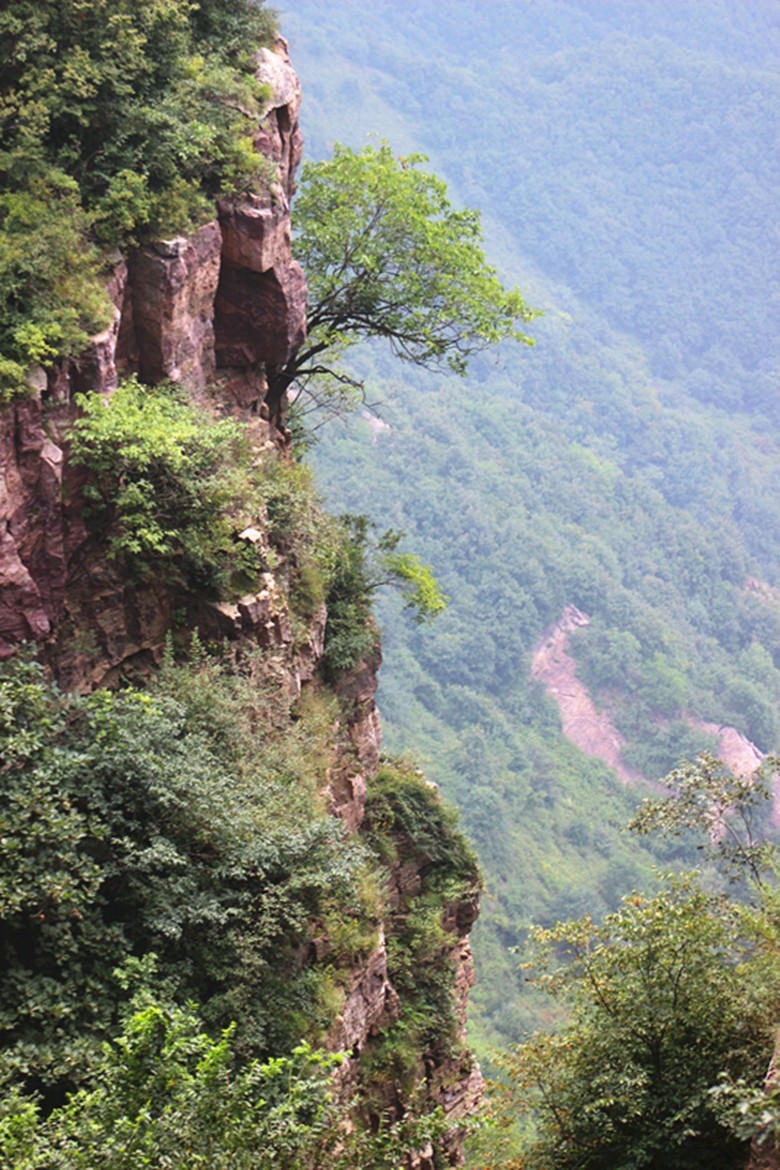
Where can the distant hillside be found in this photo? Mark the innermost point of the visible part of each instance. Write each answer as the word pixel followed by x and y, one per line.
pixel 622 157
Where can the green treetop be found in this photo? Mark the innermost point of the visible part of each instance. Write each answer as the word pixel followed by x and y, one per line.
pixel 388 256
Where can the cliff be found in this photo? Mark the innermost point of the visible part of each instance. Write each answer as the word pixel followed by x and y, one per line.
pixel 213 312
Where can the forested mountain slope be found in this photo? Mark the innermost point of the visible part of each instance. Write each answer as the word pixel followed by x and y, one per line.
pixel 622 155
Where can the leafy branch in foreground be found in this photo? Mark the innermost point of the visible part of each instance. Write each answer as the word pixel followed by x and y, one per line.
pixel 388 256
pixel 363 567
pixel 705 796
pixel 166 1093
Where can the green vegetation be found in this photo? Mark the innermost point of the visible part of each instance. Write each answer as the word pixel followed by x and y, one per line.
pixel 185 822
pixel 733 811
pixel 388 256
pixel 117 121
pixel 167 848
pixel 171 488
pixel 660 1014
pixel 160 487
pixel 671 1017
pixel 362 567
pixel 628 464
pixel 406 821
pixel 165 1092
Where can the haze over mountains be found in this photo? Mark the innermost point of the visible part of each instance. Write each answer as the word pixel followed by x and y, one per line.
pixel 625 161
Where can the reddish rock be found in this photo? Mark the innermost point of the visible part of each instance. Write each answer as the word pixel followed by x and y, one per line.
pixel 357 688
pixel 260 317
pixel 279 136
pixel 32 558
pixel 261 300
pixel 255 233
pixel 96 368
pixel 174 286
pixel 23 616
pixel 371 1004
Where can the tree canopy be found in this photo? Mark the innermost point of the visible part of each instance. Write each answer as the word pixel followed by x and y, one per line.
pixel 388 256
pixel 659 1014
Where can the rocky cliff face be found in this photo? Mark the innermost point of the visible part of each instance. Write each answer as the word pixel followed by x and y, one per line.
pixel 212 311
pixel 209 311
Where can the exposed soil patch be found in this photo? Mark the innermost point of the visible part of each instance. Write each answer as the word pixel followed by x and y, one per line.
pixel 590 729
pixel 593 731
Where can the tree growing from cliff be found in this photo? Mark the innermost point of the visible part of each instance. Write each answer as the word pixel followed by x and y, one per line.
pixel 388 256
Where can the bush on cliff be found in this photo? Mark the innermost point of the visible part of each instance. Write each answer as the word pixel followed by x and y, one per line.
pixel 364 564
pixel 186 822
pixel 170 487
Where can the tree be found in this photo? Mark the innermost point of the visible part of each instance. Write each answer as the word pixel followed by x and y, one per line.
pixel 658 1015
pixel 730 810
pixel 387 256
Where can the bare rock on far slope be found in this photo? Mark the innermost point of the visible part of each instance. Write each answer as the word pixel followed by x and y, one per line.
pixel 735 750
pixel 593 731
pixel 590 729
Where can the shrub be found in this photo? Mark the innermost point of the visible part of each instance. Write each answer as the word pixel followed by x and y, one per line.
pixel 128 829
pixel 159 483
pixel 405 820
pixel 363 565
pixel 164 1090
pixel 401 804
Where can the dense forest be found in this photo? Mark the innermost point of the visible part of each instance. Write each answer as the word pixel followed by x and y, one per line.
pixel 622 158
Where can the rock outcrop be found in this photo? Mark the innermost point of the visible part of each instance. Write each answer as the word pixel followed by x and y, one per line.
pixel 590 729
pixel 593 731
pixel 210 311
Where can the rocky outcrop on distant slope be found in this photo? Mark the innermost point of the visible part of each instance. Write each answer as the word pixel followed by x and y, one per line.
pixel 590 729
pixel 734 748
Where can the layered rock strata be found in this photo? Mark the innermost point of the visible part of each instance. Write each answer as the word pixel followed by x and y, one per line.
pixel 208 311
